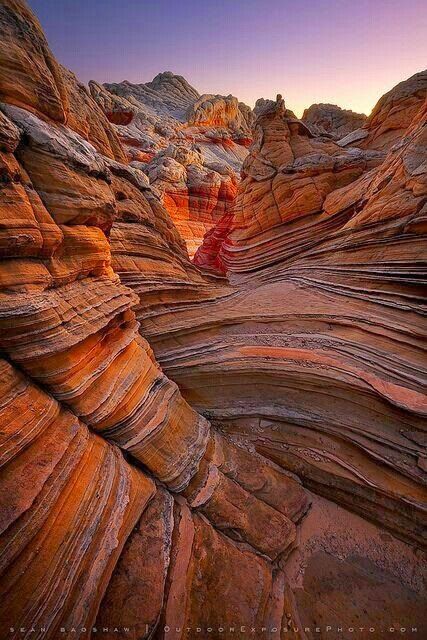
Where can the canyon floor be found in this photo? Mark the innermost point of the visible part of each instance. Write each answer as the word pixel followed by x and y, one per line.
pixel 212 359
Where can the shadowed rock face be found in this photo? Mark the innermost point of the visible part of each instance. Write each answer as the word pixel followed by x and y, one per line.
pixel 178 449
pixel 332 120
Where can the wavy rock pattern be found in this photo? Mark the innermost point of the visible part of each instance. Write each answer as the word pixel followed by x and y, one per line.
pixel 317 355
pixel 196 194
pixel 166 483
pixel 74 365
pixel 68 502
pixel 286 178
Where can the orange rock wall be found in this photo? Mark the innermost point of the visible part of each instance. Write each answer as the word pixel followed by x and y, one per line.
pixel 164 432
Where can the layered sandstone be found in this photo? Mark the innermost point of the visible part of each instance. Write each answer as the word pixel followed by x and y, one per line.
pixel 285 179
pixel 196 193
pixel 169 437
pixel 31 78
pixel 74 365
pixel 391 116
pixel 190 146
pixel 331 253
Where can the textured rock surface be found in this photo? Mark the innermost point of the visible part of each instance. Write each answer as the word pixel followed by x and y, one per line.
pixel 30 77
pixel 187 451
pixel 68 500
pixel 73 364
pixel 195 193
pixel 332 120
pixel 391 116
pixel 286 178
pixel 338 301
pixel 190 146
pixel 330 301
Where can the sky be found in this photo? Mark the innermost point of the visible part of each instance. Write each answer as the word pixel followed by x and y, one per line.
pixel 347 52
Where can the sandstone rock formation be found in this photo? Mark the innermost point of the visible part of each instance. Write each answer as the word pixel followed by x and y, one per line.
pixel 73 365
pixel 391 116
pixel 191 146
pixel 31 78
pixel 182 450
pixel 332 120
pixel 196 193
pixel 316 357
pixel 286 178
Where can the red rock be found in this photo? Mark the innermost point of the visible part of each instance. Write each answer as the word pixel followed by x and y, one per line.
pixel 120 117
pixel 287 176
pixel 319 336
pixel 121 360
pixel 135 594
pixel 193 146
pixel 62 525
pixel 30 77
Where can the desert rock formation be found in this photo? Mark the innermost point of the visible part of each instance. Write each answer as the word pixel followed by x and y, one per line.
pixel 187 448
pixel 310 358
pixel 391 116
pixel 90 424
pixel 331 120
pixel 191 146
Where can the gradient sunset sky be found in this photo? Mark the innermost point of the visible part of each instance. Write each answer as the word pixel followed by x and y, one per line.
pixel 348 52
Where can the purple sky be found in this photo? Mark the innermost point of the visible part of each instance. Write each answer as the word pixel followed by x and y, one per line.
pixel 348 52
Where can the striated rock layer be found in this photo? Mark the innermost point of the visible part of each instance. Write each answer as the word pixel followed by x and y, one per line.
pixel 391 116
pixel 182 450
pixel 320 348
pixel 317 357
pixel 90 425
pixel 190 146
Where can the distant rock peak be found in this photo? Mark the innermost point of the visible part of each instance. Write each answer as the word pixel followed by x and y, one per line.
pixel 325 118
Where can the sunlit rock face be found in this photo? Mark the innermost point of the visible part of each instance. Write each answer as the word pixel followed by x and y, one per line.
pixel 331 120
pixel 112 487
pixel 287 176
pixel 391 116
pixel 184 450
pixel 316 357
pixel 196 193
pixel 191 146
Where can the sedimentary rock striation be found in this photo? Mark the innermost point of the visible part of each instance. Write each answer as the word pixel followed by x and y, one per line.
pixel 391 116
pixel 191 146
pixel 332 254
pixel 90 424
pixel 185 448
pixel 316 359
pixel 286 178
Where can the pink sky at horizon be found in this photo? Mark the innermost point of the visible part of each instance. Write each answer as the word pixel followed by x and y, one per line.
pixel 338 51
